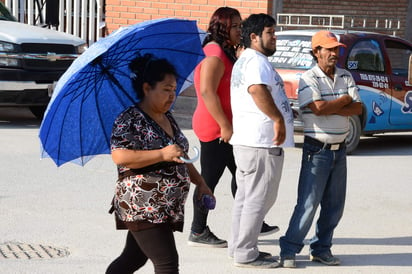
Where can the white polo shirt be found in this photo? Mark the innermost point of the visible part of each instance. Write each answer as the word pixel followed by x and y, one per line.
pixel 314 85
pixel 251 127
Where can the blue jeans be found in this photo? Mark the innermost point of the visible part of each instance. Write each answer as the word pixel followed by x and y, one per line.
pixel 322 181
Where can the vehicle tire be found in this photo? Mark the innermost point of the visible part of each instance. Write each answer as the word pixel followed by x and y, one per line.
pixel 38 111
pixel 352 140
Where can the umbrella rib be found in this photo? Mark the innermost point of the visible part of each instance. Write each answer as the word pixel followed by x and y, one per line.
pixel 116 82
pixel 101 121
pixel 46 132
pixel 83 98
pixel 173 50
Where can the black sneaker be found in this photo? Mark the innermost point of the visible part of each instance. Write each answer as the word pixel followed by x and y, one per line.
pixel 205 239
pixel 327 259
pixel 268 229
pixel 262 261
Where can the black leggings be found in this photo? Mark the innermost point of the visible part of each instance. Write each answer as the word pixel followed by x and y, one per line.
pixel 156 244
pixel 214 158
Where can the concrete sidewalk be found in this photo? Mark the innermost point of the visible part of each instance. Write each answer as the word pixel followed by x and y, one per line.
pixel 63 211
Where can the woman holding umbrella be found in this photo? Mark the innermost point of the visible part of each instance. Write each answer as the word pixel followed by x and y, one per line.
pixel 147 146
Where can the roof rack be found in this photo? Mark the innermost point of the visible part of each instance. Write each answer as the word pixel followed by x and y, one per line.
pixel 328 21
pixel 310 20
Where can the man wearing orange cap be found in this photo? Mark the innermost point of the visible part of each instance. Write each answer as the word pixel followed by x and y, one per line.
pixel 327 96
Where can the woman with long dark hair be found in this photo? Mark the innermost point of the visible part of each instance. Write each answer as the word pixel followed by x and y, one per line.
pixel 212 119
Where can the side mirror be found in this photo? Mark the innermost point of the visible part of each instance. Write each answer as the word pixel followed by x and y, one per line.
pixel 410 70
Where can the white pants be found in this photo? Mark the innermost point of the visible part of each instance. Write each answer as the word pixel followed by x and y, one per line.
pixel 258 175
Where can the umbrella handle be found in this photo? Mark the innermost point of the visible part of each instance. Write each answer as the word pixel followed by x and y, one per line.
pixel 194 159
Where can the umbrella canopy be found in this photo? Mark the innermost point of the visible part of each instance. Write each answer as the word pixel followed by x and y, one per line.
pixel 96 88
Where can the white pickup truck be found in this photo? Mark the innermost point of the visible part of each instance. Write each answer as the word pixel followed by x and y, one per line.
pixel 32 59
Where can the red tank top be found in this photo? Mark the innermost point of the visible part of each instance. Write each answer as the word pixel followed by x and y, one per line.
pixel 204 126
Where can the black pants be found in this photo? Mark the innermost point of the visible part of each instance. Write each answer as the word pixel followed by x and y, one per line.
pixel 214 158
pixel 156 244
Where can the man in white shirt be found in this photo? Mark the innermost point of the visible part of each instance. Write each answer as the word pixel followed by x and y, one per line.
pixel 262 123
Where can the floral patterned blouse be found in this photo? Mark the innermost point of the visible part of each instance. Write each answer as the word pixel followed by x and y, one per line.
pixel 154 194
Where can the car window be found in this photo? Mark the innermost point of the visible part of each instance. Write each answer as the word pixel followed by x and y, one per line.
pixel 366 55
pixel 398 54
pixel 292 52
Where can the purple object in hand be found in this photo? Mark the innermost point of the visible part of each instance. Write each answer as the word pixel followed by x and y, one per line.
pixel 208 202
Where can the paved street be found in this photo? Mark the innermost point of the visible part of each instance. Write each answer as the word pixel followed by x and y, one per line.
pixel 62 212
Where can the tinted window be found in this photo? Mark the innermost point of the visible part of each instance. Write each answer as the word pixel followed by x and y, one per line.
pixel 398 54
pixel 366 55
pixel 293 52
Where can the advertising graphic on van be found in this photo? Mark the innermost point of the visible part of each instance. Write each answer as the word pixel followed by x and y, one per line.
pixel 407 107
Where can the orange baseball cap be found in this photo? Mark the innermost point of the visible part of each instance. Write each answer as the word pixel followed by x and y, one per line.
pixel 325 39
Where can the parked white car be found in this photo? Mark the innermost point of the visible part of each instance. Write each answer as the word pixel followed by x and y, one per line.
pixel 32 59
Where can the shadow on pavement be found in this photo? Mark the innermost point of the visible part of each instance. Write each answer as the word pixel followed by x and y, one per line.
pixel 395 241
pixel 383 259
pixel 357 260
pixel 11 117
pixel 385 145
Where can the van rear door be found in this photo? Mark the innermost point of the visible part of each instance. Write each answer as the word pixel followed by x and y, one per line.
pixel 366 62
pixel 401 103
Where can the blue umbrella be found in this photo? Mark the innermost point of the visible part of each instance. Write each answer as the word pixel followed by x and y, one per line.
pixel 96 88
